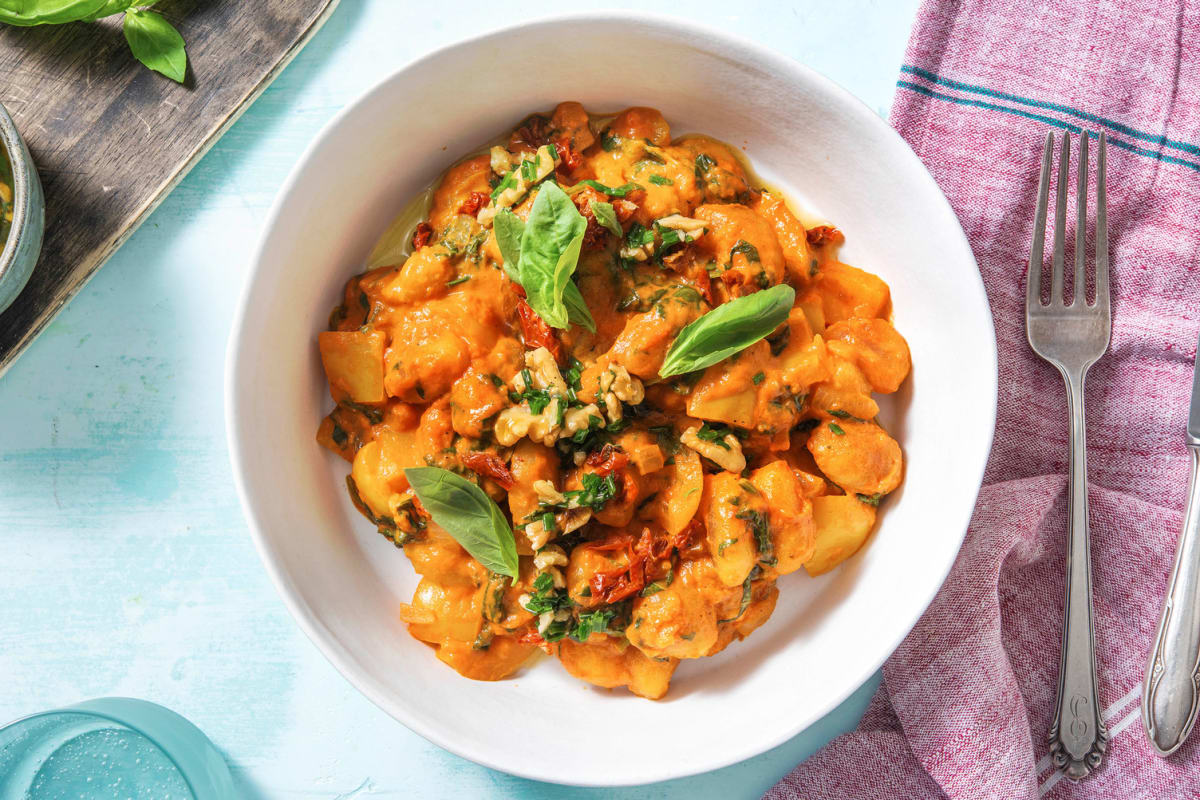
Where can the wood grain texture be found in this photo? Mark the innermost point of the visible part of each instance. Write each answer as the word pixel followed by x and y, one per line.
pixel 111 138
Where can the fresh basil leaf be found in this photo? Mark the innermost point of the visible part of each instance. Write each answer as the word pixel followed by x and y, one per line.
pixel 577 310
pixel 115 7
pixel 509 231
pixel 48 12
pixel 509 228
pixel 467 514
pixel 550 252
pixel 156 43
pixel 727 329
pixel 607 216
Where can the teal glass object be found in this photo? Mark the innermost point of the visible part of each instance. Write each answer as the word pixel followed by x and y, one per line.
pixel 114 747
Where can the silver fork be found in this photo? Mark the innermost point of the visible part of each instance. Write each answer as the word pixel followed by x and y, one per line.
pixel 1073 336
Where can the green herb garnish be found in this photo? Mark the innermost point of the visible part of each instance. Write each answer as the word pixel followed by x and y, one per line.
pixel 617 191
pixel 714 433
pixel 607 217
pixel 467 514
pixel 757 521
pixel 727 329
pixel 152 40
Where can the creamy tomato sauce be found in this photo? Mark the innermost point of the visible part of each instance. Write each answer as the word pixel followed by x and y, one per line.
pixel 652 516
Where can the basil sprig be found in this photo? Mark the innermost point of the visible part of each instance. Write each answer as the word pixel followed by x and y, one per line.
pixel 539 261
pixel 727 329
pixel 153 40
pixel 467 514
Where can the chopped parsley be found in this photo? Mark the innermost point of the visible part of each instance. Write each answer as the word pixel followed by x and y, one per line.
pixel 596 491
pixel 757 521
pixel 611 191
pixel 746 249
pixel 639 236
pixel 659 585
pixel 715 433
pixel 545 597
pixel 509 181
pixel 592 622
pixel 759 378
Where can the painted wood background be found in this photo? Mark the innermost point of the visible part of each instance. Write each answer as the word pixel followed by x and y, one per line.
pixel 125 566
pixel 110 137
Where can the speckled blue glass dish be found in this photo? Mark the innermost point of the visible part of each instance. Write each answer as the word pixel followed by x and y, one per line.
pixel 114 747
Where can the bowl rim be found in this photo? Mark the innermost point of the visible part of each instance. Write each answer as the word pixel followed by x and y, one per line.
pixel 320 635
pixel 12 148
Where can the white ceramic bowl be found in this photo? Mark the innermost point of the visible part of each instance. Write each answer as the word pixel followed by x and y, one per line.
pixel 342 581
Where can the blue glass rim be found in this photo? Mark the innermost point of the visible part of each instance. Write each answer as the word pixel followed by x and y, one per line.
pixel 195 769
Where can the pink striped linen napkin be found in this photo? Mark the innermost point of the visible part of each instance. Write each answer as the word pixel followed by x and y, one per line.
pixel 966 701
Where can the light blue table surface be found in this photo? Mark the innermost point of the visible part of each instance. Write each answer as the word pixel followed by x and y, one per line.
pixel 125 565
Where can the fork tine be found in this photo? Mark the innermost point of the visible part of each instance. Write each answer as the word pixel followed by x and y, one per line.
pixel 1060 221
pixel 1079 295
pixel 1101 227
pixel 1033 278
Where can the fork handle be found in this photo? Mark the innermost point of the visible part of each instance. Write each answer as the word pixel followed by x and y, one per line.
pixel 1169 699
pixel 1078 737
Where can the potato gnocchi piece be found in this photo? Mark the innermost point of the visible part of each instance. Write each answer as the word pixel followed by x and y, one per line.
pixel 858 456
pixel 875 348
pixel 843 523
pixel 611 663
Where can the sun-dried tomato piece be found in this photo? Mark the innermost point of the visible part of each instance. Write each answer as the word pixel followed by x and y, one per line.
pixel 823 235
pixel 618 585
pixel 489 465
pixel 703 283
pixel 595 234
pixel 608 459
pixel 647 559
pixel 691 533
pixel 537 332
pixel 474 202
pixel 531 134
pixel 568 159
pixel 422 236
pixel 531 637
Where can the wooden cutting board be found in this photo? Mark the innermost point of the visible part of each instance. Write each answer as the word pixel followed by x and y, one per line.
pixel 110 138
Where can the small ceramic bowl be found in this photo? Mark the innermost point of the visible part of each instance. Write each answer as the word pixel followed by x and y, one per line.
pixel 24 244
